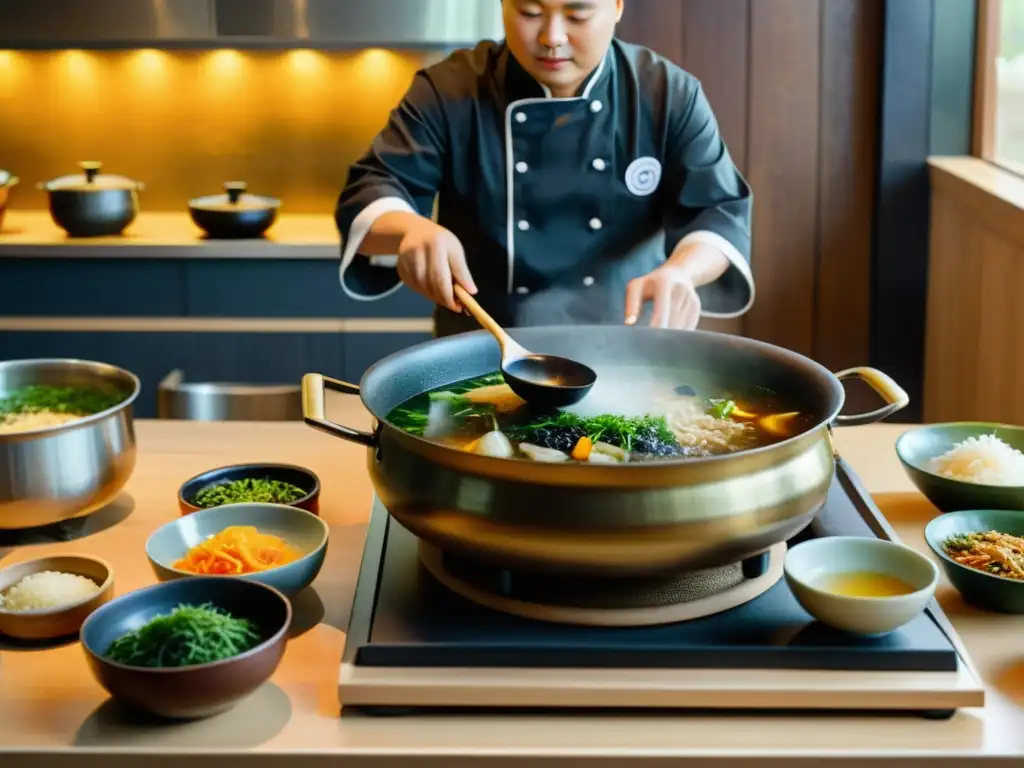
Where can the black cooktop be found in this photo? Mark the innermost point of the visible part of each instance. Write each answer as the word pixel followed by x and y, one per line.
pixel 403 617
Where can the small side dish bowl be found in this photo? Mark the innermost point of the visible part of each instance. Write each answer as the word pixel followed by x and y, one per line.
pixel 63 620
pixel 810 564
pixel 303 531
pixel 983 590
pixel 199 690
pixel 918 446
pixel 299 477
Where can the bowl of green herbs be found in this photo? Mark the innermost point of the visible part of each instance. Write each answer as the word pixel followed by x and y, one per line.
pixel 189 648
pixel 253 484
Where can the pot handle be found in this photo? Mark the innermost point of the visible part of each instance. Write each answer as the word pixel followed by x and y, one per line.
pixel 896 398
pixel 314 386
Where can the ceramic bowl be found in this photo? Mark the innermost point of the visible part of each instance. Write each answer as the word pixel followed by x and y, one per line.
pixel 66 620
pixel 984 590
pixel 808 564
pixel 916 447
pixel 302 530
pixel 287 473
pixel 203 689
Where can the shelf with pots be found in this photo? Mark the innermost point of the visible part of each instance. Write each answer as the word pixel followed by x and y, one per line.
pixel 93 214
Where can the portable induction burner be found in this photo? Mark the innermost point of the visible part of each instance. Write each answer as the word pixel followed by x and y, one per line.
pixel 431 630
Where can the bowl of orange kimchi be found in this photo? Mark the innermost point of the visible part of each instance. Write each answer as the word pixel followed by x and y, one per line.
pixel 274 544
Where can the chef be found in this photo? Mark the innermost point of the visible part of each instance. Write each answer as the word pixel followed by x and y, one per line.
pixel 577 178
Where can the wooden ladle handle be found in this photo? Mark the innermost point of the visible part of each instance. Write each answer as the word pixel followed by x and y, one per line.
pixel 508 345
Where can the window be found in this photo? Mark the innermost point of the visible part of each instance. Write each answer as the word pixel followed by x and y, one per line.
pixel 999 89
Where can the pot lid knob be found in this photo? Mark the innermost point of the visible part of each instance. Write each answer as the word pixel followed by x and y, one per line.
pixel 91 169
pixel 234 190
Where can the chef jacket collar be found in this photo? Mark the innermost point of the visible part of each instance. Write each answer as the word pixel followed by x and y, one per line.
pixel 519 84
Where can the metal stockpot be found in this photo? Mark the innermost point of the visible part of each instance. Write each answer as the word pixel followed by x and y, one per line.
pixel 68 471
pixel 633 519
pixel 92 204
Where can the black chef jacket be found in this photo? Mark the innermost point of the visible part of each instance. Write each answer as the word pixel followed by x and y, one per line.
pixel 558 202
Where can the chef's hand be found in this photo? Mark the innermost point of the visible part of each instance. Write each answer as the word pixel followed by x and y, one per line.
pixel 676 303
pixel 430 258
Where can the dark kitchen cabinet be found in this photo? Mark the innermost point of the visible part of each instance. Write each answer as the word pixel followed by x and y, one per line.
pixel 254 358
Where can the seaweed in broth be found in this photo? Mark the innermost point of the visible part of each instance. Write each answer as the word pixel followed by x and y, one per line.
pixel 483 415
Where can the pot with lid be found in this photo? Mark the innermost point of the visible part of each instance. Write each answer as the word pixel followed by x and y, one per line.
pixel 7 180
pixel 92 204
pixel 234 214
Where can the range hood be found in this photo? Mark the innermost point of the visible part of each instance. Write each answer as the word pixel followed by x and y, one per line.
pixel 43 24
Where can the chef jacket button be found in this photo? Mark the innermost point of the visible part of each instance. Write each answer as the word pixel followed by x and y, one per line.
pixel 596 224
pixel 523 226
pixel 522 289
pixel 520 117
pixel 596 106
pixel 599 164
pixel 588 281
pixel 522 167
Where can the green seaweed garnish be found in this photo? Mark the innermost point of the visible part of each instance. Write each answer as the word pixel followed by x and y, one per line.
pixel 78 401
pixel 249 489
pixel 622 431
pixel 187 636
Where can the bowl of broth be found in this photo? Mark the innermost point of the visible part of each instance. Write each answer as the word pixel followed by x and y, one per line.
pixel 859 585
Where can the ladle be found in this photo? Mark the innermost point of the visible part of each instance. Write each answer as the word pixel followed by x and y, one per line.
pixel 544 380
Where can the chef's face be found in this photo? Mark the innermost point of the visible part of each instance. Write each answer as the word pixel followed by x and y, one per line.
pixel 560 42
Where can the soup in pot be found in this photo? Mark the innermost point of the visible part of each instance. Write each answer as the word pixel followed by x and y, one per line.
pixel 628 417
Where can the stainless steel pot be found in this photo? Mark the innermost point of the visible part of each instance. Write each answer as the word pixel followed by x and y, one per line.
pixel 234 214
pixel 91 204
pixel 58 473
pixel 632 519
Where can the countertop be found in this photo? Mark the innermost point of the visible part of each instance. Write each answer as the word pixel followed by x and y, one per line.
pixel 53 714
pixel 169 235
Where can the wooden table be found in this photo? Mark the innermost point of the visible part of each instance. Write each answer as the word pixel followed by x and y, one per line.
pixel 53 714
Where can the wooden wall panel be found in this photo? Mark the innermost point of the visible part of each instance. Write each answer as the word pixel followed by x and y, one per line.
pixel 850 60
pixel 950 341
pixel 782 160
pixel 974 350
pixel 656 24
pixel 716 39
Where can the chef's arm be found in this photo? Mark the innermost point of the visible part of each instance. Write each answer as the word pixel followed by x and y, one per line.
pixel 394 183
pixel 703 263
pixel 387 232
pixel 708 207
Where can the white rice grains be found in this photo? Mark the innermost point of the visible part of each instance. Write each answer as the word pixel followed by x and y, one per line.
pixel 47 589
pixel 985 460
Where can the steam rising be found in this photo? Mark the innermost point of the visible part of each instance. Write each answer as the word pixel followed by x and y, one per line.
pixel 594 305
pixel 640 388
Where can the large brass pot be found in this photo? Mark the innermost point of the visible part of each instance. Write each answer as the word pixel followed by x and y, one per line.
pixel 632 519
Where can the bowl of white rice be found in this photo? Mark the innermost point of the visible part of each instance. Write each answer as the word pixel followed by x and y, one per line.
pixel 50 597
pixel 966 465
